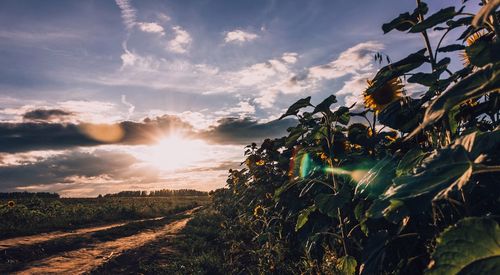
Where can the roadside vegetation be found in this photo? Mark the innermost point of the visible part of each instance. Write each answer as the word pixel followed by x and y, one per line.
pixel 407 185
pixel 30 214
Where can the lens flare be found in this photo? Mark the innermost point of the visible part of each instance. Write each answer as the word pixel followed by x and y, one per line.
pixel 107 133
pixel 305 165
pixel 356 174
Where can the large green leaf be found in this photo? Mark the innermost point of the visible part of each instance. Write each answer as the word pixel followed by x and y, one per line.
pixel 410 161
pixel 437 173
pixel 439 17
pixel 342 115
pixel 324 106
pixel 328 203
pixel 403 115
pixel 472 246
pixel 376 180
pixel 347 265
pixel 405 20
pixel 478 143
pixel 484 80
pixel 294 109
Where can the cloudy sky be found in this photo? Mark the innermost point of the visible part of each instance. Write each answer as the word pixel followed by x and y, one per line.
pixel 207 76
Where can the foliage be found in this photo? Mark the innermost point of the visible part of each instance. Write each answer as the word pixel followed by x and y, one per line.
pixel 390 196
pixel 35 215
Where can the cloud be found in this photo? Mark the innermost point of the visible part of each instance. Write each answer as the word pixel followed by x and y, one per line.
pixel 162 17
pixel 47 115
pixel 181 42
pixel 70 167
pixel 239 37
pixel 37 136
pixel 356 63
pixel 245 130
pixel 290 58
pixel 29 136
pixel 130 106
pixel 151 27
pixel 351 61
pixel 128 13
pixel 353 89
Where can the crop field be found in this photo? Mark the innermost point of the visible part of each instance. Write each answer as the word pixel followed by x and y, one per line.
pixel 28 216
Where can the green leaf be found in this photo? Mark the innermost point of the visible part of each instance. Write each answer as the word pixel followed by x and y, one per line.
pixel 294 135
pixel 405 20
pixel 342 115
pixel 426 79
pixel 472 246
pixel 304 217
pixel 401 23
pixel 324 106
pixel 478 143
pixel 377 179
pixel 438 173
pixel 410 160
pixel 451 48
pixel 328 203
pixel 403 115
pixel 480 82
pixel 397 69
pixel 439 17
pixel 347 265
pixel 463 21
pixel 294 109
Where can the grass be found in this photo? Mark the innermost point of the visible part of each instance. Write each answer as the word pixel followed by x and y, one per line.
pixel 16 258
pixel 36 215
pixel 196 250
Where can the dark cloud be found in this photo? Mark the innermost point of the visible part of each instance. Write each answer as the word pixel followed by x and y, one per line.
pixel 246 130
pixel 60 169
pixel 47 115
pixel 36 135
pixel 28 136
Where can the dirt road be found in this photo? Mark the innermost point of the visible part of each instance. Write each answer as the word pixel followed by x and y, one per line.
pixel 85 259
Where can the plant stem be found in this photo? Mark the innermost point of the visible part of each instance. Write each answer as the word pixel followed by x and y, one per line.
pixel 427 42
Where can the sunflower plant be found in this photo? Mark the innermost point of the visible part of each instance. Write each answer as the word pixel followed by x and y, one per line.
pixel 392 188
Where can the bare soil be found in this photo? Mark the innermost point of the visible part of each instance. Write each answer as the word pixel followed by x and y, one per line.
pixel 83 260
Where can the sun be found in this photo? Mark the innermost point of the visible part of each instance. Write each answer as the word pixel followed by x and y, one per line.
pixel 174 152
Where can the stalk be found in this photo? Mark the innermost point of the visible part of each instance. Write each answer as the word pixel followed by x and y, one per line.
pixel 427 41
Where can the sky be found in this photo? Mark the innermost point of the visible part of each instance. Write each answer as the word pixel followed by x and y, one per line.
pixel 99 96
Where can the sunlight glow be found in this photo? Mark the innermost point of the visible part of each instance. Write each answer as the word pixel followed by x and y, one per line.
pixel 174 152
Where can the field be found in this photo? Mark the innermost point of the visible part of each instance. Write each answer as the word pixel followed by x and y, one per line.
pixel 407 185
pixel 28 216
pixel 80 234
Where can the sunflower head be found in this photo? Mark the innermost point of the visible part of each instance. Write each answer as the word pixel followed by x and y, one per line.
pixel 260 162
pixel 471 40
pixel 378 99
pixel 258 211
pixel 11 204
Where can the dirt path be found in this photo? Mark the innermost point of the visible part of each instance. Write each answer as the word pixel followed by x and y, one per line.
pixel 86 259
pixel 43 237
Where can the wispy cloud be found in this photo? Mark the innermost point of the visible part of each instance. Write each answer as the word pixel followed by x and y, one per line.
pixel 130 106
pixel 351 61
pixel 239 36
pixel 151 27
pixel 128 13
